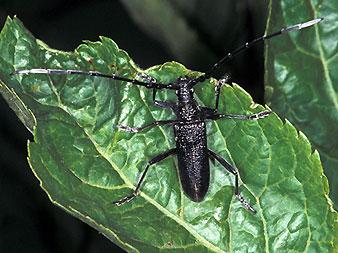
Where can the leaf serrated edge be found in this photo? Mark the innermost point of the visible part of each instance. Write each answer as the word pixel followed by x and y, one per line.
pixel 25 115
pixel 314 155
pixel 108 233
pixel 149 198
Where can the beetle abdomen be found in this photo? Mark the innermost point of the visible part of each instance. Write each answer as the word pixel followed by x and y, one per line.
pixel 193 162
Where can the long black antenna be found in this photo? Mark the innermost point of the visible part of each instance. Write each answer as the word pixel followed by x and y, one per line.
pixel 150 84
pixel 247 45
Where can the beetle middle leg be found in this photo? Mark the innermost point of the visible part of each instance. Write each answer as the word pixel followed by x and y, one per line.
pixel 139 184
pixel 232 170
pixel 155 123
pixel 254 116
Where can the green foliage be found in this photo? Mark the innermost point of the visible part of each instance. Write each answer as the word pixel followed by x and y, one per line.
pixel 302 80
pixel 84 162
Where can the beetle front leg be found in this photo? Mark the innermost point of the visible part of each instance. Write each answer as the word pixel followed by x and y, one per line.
pixel 232 170
pixel 163 104
pixel 158 103
pixel 218 87
pixel 139 184
pixel 139 129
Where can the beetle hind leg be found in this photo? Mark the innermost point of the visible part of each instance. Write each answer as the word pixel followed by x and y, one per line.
pixel 232 170
pixel 245 203
pixel 156 159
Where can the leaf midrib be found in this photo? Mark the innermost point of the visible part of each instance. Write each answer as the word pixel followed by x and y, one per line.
pixel 330 90
pixel 125 179
pixel 154 203
pixel 328 83
pixel 145 196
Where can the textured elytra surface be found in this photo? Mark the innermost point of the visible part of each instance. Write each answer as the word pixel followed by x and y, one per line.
pixel 84 163
pixel 301 77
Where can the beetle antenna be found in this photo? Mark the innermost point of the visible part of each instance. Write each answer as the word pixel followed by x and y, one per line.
pixel 247 45
pixel 150 84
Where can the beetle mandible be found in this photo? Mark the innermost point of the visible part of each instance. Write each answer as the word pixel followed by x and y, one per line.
pixel 190 123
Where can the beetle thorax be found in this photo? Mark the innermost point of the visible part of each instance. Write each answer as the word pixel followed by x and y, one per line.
pixel 184 90
pixel 185 94
pixel 187 106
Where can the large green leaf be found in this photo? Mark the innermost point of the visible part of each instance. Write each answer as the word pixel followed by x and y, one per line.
pixel 84 162
pixel 302 76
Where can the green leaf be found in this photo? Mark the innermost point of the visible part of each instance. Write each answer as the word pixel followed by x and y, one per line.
pixel 302 77
pixel 84 162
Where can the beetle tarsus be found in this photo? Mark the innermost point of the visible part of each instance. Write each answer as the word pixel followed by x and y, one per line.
pixel 260 115
pixel 125 199
pixel 245 203
pixel 129 129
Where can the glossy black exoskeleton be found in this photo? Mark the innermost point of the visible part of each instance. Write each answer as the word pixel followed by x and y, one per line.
pixel 189 126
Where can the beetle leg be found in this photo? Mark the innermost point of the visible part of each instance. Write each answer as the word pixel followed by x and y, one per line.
pixel 232 170
pixel 163 104
pixel 254 116
pixel 156 102
pixel 218 87
pixel 139 184
pixel 155 123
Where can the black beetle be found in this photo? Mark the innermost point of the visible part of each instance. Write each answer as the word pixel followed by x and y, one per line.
pixel 189 126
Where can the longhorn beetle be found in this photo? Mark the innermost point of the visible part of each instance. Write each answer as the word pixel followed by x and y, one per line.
pixel 189 126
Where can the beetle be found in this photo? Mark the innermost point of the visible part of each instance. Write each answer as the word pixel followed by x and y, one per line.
pixel 190 124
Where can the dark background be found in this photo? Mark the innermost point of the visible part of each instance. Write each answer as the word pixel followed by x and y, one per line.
pixel 29 222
